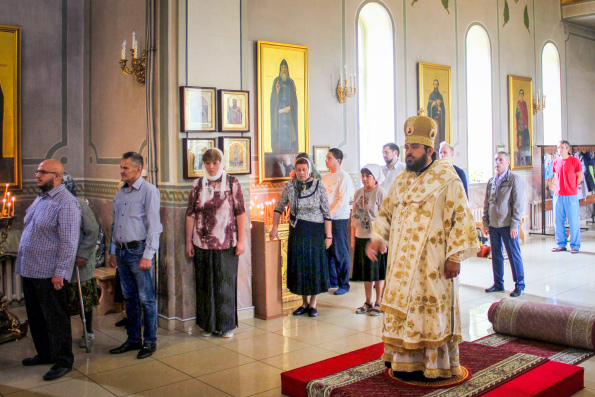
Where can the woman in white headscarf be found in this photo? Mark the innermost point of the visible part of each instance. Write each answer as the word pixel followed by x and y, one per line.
pixel 366 202
pixel 215 238
pixel 310 235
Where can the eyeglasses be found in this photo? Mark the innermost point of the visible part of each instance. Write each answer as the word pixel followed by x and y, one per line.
pixel 43 172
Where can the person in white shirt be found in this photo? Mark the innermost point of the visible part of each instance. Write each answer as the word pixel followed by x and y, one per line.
pixel 393 166
pixel 339 189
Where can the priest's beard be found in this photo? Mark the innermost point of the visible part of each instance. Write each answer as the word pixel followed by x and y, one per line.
pixel 283 76
pixel 417 164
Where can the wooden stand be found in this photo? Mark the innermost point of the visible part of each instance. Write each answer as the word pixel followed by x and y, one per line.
pixel 106 280
pixel 271 297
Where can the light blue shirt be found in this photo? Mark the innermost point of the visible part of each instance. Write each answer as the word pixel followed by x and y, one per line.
pixel 500 178
pixel 136 216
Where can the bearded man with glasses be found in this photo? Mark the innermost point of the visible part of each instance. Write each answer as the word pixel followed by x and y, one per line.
pixel 45 262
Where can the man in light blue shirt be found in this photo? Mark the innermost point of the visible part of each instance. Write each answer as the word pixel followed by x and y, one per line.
pixel 135 239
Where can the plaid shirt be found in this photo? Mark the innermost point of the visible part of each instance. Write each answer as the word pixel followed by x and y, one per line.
pixel 50 237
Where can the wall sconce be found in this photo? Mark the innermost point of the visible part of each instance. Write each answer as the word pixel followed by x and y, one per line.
pixel 538 103
pixel 344 91
pixel 138 64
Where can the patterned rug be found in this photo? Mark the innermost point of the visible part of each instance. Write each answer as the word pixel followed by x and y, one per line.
pixel 500 366
pixel 490 367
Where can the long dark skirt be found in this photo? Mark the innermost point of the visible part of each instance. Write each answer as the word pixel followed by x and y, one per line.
pixel 363 268
pixel 307 265
pixel 216 274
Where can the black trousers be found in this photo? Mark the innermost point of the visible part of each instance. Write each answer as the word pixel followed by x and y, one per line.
pixel 49 322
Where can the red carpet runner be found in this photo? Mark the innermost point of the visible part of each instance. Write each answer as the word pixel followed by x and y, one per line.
pixel 497 371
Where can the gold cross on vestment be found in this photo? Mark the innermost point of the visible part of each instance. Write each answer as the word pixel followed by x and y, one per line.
pixel 404 211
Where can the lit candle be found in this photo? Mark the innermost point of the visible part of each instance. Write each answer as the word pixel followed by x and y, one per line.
pixel 8 209
pixel 5 190
pixel 124 50
pixel 13 203
pixel 3 206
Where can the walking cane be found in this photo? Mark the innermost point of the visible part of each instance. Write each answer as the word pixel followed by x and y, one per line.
pixel 85 335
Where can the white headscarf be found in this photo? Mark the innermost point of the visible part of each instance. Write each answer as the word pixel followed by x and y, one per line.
pixel 376 172
pixel 206 178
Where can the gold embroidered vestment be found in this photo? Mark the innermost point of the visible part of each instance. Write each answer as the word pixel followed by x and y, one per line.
pixel 424 221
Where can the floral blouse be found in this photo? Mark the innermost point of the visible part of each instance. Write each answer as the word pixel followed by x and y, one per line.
pixel 215 225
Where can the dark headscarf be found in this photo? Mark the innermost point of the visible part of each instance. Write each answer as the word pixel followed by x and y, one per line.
pixel 69 183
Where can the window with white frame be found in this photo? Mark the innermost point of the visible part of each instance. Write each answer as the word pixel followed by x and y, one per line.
pixel 479 104
pixel 376 84
pixel 552 93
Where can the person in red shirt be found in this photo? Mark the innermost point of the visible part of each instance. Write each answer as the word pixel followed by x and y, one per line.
pixel 568 175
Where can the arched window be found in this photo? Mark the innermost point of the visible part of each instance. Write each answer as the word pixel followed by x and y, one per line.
pixel 376 83
pixel 552 91
pixel 479 104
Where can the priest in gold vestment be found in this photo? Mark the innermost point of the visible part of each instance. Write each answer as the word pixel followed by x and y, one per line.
pixel 428 228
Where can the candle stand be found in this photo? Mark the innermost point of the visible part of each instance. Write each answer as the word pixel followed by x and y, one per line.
pixel 11 328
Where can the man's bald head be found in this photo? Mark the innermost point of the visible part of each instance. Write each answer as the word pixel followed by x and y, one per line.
pixel 53 165
pixel 446 151
pixel 49 174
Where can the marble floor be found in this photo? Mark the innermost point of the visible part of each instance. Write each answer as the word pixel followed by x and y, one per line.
pixel 250 363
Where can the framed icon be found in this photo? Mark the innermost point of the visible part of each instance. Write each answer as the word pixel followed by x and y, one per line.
pixel 234 115
pixel 520 120
pixel 198 109
pixel 319 157
pixel 194 148
pixel 435 93
pixel 283 131
pixel 236 151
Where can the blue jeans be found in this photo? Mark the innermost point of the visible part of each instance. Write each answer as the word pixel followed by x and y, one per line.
pixel 339 258
pixel 139 291
pixel 497 236
pixel 567 207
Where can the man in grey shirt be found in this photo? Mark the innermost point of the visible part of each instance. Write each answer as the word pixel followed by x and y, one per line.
pixel 135 239
pixel 502 214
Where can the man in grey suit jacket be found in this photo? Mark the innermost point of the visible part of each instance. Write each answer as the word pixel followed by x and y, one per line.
pixel 502 213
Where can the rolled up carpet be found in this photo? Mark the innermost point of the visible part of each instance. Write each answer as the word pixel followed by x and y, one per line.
pixel 540 321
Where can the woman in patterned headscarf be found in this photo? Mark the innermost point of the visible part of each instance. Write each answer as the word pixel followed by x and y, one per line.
pixel 215 238
pixel 309 223
pixel 85 261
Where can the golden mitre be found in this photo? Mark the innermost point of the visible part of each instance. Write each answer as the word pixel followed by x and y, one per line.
pixel 420 129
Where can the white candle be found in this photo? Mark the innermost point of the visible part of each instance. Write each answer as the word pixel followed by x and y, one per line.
pixel 134 44
pixel 124 50
pixel 345 72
